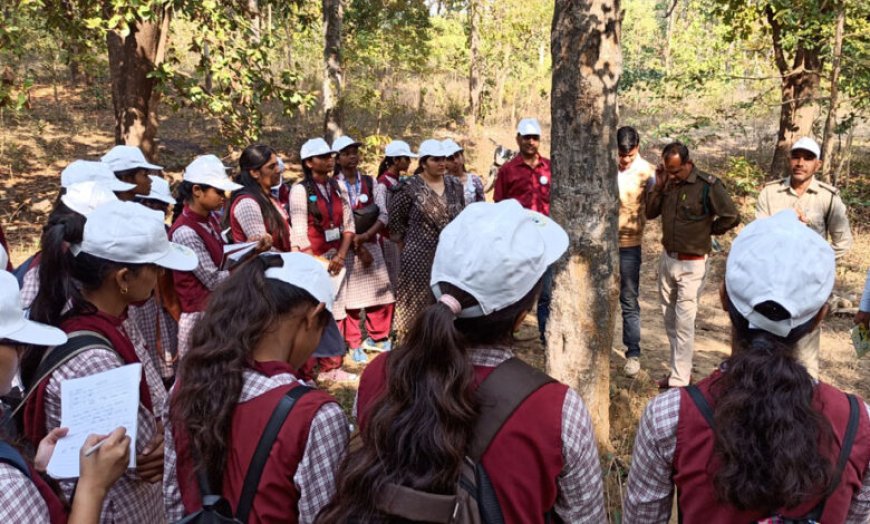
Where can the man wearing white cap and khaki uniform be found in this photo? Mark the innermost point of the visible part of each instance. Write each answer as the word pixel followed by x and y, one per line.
pixel 819 206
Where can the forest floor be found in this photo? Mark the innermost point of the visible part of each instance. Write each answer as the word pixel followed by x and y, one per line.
pixel 67 124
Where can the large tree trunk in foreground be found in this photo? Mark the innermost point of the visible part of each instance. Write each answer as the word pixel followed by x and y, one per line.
pixel 134 98
pixel 800 82
pixel 587 64
pixel 831 120
pixel 332 77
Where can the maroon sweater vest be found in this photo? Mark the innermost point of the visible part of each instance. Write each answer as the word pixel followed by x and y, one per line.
pixel 695 463
pixel 277 498
pixel 317 225
pixel 192 293
pixel 524 459
pixel 239 234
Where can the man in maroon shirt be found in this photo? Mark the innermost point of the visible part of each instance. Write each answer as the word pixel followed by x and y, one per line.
pixel 526 178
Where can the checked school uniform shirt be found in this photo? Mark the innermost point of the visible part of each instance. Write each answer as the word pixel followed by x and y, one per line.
pixel 649 499
pixel 20 500
pixel 315 475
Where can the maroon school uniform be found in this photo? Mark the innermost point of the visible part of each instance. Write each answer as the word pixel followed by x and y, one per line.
pixel 192 293
pixel 238 225
pixel 530 186
pixel 694 462
pixel 298 478
pixel 31 499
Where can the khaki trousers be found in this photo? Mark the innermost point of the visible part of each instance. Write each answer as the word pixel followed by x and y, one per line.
pixel 680 284
pixel 807 351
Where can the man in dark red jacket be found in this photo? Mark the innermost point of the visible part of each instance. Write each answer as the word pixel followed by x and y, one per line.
pixel 526 178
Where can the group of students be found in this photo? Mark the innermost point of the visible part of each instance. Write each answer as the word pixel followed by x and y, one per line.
pixel 758 439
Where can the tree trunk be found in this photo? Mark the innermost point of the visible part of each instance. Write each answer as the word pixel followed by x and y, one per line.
pixel 587 64
pixel 800 82
pixel 134 98
pixel 254 13
pixel 332 78
pixel 474 85
pixel 831 120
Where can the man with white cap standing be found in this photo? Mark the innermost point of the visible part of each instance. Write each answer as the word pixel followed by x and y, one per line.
pixel 526 178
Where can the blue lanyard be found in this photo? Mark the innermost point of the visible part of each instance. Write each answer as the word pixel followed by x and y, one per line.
pixel 354 197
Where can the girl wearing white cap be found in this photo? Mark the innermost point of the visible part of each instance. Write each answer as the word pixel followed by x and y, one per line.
pixel 472 186
pixel 242 362
pixel 123 248
pixel 759 440
pixel 130 166
pixel 253 211
pixel 397 160
pixel 418 211
pixel 26 496
pixel 419 406
pixel 368 283
pixel 202 193
pixel 323 226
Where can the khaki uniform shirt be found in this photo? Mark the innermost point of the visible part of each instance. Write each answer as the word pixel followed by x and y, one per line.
pixel 634 183
pixel 688 218
pixel 821 205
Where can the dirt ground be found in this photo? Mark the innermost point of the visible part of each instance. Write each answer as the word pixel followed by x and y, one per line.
pixel 70 124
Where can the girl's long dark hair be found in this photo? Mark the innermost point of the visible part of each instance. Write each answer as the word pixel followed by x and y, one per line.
pixel 417 434
pixel 254 157
pixel 210 374
pixel 385 164
pixel 770 440
pixel 421 165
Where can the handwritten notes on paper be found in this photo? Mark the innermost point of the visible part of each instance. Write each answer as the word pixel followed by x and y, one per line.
pixel 96 404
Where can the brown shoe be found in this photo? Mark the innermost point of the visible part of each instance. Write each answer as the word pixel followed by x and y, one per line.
pixel 666 384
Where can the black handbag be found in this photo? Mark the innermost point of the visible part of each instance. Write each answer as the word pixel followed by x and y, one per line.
pixel 365 217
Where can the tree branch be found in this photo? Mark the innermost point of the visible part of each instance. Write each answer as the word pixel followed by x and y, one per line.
pixel 671 10
pixel 776 36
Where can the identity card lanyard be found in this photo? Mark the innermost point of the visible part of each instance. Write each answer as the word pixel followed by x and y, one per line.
pixel 354 196
pixel 333 233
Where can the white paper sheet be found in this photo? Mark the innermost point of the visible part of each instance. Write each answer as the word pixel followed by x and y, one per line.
pixel 96 404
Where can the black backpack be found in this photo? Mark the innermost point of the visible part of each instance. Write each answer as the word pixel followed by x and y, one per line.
pixel 815 514
pixel 215 508
pixel 10 455
pixel 475 502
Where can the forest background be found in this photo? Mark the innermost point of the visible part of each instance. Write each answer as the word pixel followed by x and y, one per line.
pixel 736 80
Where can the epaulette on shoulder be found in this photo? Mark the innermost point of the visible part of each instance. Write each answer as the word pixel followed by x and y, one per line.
pixel 707 177
pixel 829 187
pixel 776 182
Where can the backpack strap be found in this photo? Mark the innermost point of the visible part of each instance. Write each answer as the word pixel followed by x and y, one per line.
pixel 10 455
pixel 264 447
pixel 499 395
pixel 701 403
pixel 416 506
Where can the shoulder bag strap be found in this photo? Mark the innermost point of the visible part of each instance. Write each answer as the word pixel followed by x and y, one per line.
pixel 264 447
pixel 11 456
pixel 701 403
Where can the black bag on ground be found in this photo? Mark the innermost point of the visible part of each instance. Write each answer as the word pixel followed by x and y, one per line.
pixel 216 509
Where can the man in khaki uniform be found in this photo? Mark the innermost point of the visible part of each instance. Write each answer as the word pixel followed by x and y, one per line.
pixel 693 205
pixel 820 207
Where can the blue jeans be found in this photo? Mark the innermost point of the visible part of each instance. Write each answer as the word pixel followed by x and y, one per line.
pixel 544 300
pixel 629 278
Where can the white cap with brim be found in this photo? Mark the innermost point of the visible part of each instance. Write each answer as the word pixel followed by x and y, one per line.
pixel 343 142
pixel 450 147
pixel 208 170
pixel 807 144
pixel 13 324
pixel 87 170
pixel 398 148
pixel 85 197
pixel 159 191
pixel 315 147
pixel 431 147
pixel 129 233
pixel 122 158
pixel 496 252
pixel 529 126
pixel 779 259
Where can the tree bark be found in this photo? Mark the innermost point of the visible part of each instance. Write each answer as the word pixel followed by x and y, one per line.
pixel 831 120
pixel 333 75
pixel 134 98
pixel 587 64
pixel 474 84
pixel 800 83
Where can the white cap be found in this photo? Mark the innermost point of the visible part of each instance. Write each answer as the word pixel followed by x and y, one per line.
pixel 314 147
pixel 529 126
pixel 496 252
pixel 304 271
pixel 130 233
pixel 807 144
pixel 14 326
pixel 281 166
pixel 208 170
pixel 344 141
pixel 86 170
pixel 779 259
pixel 398 148
pixel 85 197
pixel 159 191
pixel 4 258
pixel 122 158
pixel 431 147
pixel 450 147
